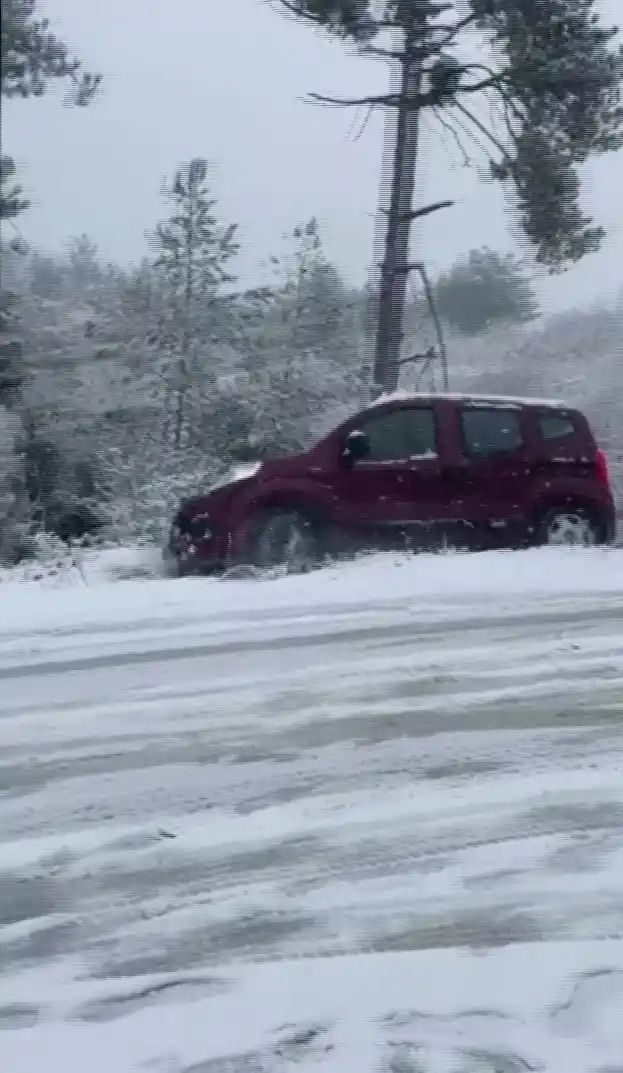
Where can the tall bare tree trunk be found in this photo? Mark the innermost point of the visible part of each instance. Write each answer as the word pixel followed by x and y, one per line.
pixel 179 414
pixel 183 366
pixel 394 269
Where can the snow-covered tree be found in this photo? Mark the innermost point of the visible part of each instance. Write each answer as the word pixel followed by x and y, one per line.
pixel 84 269
pixel 483 290
pixel 317 310
pixel 301 347
pixel 194 253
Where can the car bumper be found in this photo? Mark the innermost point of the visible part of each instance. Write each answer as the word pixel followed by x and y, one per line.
pixel 176 565
pixel 182 556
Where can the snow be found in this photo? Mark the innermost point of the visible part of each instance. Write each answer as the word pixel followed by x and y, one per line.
pixel 364 821
pixel 512 401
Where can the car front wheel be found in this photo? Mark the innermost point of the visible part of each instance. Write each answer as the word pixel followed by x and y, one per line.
pixel 282 539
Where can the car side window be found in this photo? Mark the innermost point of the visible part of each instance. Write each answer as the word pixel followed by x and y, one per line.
pixel 487 433
pixel 402 434
pixel 555 426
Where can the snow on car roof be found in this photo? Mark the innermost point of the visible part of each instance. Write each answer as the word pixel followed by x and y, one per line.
pixel 502 401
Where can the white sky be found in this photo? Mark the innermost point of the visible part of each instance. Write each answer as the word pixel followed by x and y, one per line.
pixel 226 80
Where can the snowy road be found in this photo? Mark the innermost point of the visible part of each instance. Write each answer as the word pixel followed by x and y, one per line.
pixel 369 821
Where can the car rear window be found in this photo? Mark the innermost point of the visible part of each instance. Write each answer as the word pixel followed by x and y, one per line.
pixel 491 432
pixel 555 426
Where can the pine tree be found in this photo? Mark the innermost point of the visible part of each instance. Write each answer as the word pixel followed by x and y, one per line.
pixel 302 348
pixel 33 56
pixel 484 290
pixel 83 262
pixel 316 309
pixel 552 75
pixel 193 256
pixel 12 203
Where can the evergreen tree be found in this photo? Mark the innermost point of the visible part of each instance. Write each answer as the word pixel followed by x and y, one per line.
pixel 33 56
pixel 12 201
pixel 317 311
pixel 552 74
pixel 83 263
pixel 302 349
pixel 484 290
pixel 193 256
pixel 11 204
pixel 46 278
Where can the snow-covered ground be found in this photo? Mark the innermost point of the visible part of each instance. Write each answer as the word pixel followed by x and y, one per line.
pixel 366 821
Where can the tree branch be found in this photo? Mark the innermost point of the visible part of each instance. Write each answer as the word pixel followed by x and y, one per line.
pixel 465 127
pixel 415 214
pixel 415 101
pixel 388 100
pixel 414 359
pixel 300 12
pixel 485 83
pixel 447 126
pixel 383 53
pixel 456 29
pixel 366 120
pixel 417 266
pixel 438 329
pixel 483 130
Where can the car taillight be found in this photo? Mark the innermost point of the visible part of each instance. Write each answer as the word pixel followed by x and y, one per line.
pixel 601 467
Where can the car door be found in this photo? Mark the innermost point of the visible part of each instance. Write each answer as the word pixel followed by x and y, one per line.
pixel 493 485
pixel 394 493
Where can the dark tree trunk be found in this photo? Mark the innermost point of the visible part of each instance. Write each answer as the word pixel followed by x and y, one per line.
pixel 394 269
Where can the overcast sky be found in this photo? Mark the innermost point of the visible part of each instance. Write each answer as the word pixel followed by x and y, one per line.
pixel 226 80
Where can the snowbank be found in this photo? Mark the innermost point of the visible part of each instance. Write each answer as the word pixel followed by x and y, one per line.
pixel 90 592
pixel 554 1007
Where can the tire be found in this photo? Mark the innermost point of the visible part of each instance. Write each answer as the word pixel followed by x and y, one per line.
pixel 568 527
pixel 282 539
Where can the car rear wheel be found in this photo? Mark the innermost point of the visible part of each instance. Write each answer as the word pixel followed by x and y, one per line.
pixel 568 527
pixel 282 539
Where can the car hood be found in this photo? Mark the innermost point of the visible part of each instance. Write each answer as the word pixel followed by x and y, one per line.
pixel 235 474
pixel 218 491
pixel 270 467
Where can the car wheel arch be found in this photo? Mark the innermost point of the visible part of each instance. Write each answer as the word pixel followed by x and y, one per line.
pixel 310 507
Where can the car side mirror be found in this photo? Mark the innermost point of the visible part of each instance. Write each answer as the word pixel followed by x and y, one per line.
pixel 356 447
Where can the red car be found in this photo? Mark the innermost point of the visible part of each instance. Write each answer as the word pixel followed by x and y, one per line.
pixel 416 471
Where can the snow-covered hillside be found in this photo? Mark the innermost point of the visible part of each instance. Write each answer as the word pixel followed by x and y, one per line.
pixel 365 821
